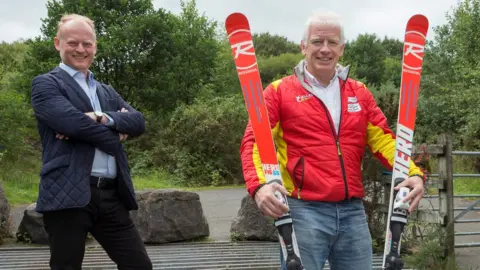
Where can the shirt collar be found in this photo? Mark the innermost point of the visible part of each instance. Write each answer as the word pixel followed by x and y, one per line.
pixel 73 72
pixel 312 80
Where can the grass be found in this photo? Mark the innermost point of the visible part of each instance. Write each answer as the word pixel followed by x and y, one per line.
pixel 160 179
pixel 463 185
pixel 467 186
pixel 470 185
pixel 20 180
pixel 19 177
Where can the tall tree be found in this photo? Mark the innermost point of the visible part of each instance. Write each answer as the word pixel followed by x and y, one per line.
pixel 366 53
pixel 197 49
pixel 451 77
pixel 268 45
pixel 393 47
pixel 14 111
pixel 154 58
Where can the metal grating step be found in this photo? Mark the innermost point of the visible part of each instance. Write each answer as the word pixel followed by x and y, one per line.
pixel 208 255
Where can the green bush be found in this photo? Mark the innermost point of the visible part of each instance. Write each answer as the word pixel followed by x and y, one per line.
pixel 204 140
pixel 17 123
pixel 276 67
pixel 427 252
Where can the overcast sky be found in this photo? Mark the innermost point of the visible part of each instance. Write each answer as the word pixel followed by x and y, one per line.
pixel 21 18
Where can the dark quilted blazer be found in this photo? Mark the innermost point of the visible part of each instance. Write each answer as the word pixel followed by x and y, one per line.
pixel 59 104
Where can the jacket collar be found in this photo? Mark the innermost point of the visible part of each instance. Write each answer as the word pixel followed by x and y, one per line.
pixel 299 72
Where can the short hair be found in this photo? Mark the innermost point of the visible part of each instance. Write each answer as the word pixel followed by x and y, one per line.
pixel 69 17
pixel 324 18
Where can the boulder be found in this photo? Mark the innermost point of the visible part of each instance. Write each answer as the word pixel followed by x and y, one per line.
pixel 169 216
pixel 251 224
pixel 163 216
pixel 31 228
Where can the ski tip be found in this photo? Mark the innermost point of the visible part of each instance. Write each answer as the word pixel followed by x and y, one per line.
pixel 418 23
pixel 236 21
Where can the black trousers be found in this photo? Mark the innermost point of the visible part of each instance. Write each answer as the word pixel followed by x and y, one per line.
pixel 108 222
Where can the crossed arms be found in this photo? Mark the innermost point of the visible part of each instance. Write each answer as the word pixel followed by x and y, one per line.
pixel 57 112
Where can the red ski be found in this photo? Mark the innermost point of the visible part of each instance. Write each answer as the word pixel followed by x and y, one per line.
pixel 413 51
pixel 239 35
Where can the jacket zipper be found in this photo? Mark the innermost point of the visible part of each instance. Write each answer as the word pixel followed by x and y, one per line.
pixel 303 174
pixel 300 186
pixel 337 135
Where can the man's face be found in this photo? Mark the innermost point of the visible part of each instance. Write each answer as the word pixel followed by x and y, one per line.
pixel 323 49
pixel 77 45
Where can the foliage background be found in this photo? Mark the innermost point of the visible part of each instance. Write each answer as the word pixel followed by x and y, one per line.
pixel 178 70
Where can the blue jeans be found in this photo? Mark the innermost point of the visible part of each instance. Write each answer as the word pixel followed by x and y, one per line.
pixel 337 232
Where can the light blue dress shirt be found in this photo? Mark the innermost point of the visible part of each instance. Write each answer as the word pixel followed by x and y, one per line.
pixel 104 165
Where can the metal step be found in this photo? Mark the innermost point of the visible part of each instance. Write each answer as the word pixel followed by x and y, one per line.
pixel 200 255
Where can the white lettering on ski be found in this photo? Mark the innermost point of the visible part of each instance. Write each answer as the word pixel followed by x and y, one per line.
pixel 242 48
pixel 404 152
pixel 247 45
pixel 415 50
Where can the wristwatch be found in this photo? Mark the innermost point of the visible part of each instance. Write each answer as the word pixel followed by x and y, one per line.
pixel 99 116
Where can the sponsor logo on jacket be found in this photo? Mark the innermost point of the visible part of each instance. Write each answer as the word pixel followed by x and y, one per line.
pixel 353 105
pixel 304 97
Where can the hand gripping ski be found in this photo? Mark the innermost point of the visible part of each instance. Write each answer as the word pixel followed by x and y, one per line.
pixel 413 51
pixel 238 30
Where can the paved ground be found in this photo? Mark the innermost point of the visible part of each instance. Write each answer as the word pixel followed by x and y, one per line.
pixel 221 207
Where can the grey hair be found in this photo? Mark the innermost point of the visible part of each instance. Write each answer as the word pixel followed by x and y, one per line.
pixel 324 18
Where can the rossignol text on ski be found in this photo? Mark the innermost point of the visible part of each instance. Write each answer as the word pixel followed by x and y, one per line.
pixel 239 35
pixel 413 51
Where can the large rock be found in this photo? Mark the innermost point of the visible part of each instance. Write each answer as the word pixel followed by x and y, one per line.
pixel 169 216
pixel 4 215
pixel 31 228
pixel 251 224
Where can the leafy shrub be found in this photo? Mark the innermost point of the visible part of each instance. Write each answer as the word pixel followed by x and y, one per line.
pixel 204 140
pixel 275 67
pixel 17 123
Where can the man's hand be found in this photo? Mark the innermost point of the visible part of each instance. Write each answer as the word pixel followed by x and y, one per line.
pixel 123 137
pixel 104 121
pixel 415 183
pixel 61 136
pixel 91 115
pixel 268 203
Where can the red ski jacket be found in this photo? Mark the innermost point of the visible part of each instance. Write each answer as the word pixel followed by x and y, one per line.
pixel 315 162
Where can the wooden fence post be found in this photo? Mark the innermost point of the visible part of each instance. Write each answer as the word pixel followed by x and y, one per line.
pixel 445 171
